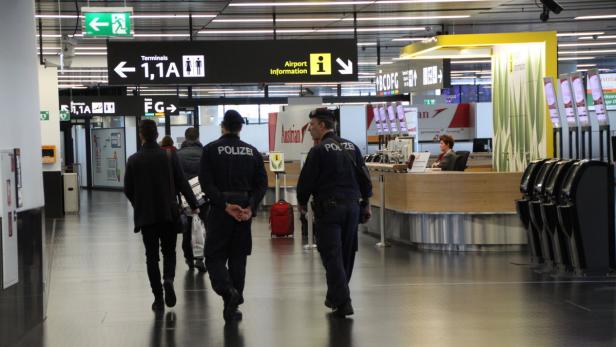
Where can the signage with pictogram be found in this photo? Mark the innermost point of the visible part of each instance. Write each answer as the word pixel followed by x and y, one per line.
pixel 107 21
pixel 196 62
pixel 276 161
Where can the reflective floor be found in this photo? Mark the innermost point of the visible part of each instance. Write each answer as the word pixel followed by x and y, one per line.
pixel 99 296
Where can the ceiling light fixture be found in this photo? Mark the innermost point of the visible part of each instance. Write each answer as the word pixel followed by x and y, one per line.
pixel 360 19
pixel 603 37
pixel 586 65
pixel 588 33
pixel 363 44
pixel 590 51
pixel 342 3
pixel 162 35
pixel 575 58
pixel 606 16
pixel 304 31
pixel 591 44
pixel 471 62
pixel 411 39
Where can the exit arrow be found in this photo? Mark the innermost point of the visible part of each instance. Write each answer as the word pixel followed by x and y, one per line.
pixel 95 24
pixel 171 108
pixel 347 69
pixel 120 69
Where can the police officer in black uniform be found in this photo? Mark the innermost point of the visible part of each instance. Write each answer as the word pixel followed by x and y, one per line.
pixel 233 176
pixel 334 174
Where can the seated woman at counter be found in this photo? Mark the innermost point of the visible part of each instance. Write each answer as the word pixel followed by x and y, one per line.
pixel 447 159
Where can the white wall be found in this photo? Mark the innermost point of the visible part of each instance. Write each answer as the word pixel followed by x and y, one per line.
pixel 49 101
pixel 483 120
pixel 353 125
pixel 19 96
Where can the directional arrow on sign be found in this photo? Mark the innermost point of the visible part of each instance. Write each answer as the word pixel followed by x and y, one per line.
pixel 347 69
pixel 95 24
pixel 171 108
pixel 120 69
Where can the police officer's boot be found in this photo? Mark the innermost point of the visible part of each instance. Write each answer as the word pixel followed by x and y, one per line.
pixel 232 301
pixel 344 310
pixel 159 303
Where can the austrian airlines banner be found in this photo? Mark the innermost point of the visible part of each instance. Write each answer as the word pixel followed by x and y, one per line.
pixel 436 120
pixel 292 136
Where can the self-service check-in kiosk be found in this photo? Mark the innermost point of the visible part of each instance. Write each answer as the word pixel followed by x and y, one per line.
pixel 527 186
pixel 586 216
pixel 542 235
pixel 549 214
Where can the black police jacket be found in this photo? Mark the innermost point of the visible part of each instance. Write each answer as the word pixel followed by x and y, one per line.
pixel 190 158
pixel 147 185
pixel 329 173
pixel 231 165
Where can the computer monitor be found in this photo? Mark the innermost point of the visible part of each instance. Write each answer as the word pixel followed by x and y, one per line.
pixel 482 145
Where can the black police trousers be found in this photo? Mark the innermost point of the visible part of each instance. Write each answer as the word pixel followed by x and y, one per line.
pixel 164 236
pixel 228 244
pixel 337 244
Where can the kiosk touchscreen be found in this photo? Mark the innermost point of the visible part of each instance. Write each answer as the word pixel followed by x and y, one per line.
pixel 383 118
pixel 541 234
pixel 402 119
pixel 393 121
pixel 523 206
pixel 377 122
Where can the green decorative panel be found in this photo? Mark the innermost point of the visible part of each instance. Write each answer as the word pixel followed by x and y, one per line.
pixel 518 106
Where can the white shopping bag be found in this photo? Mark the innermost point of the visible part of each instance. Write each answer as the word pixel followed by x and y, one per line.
pixel 198 236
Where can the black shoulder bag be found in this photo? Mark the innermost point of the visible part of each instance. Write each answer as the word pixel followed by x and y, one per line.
pixel 176 208
pixel 363 179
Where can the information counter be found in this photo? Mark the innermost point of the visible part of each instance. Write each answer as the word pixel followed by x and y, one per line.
pixel 463 211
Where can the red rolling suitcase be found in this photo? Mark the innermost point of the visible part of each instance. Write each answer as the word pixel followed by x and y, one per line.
pixel 281 219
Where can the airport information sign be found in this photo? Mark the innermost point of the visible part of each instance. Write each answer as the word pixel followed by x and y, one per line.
pixel 201 62
pixel 107 21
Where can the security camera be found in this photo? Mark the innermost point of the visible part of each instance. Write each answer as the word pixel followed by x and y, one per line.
pixel 595 37
pixel 552 5
pixel 549 6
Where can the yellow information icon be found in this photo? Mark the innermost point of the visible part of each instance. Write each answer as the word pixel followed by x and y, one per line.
pixel 320 63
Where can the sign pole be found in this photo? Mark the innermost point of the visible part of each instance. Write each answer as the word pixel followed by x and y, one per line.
pixel 383 243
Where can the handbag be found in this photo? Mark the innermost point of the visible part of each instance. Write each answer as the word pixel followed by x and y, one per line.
pixel 176 209
pixel 363 179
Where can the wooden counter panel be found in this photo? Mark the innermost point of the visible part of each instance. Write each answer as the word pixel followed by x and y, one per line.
pixel 451 192
pixel 292 170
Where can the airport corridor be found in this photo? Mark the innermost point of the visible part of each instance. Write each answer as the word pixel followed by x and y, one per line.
pixel 99 295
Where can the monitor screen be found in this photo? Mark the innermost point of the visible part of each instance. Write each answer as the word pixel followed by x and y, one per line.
pixel 401 118
pixel 383 117
pixel 482 145
pixel 392 119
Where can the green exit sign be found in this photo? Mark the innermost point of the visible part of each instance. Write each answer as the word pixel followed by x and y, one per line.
pixel 107 21
pixel 429 101
pixel 65 116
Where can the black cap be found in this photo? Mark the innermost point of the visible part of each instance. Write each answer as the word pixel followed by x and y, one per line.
pixel 323 114
pixel 232 119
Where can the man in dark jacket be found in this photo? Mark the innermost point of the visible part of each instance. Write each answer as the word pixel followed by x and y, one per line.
pixel 151 181
pixel 190 158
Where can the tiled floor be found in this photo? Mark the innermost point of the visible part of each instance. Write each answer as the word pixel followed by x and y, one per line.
pixel 99 296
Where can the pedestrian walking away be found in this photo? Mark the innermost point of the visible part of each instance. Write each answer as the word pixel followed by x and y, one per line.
pixel 190 158
pixel 335 175
pixel 233 177
pixel 150 182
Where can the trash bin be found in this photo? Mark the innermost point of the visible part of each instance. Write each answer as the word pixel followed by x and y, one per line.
pixel 71 193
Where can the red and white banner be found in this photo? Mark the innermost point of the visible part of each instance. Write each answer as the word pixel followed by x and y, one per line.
pixel 291 135
pixel 436 120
